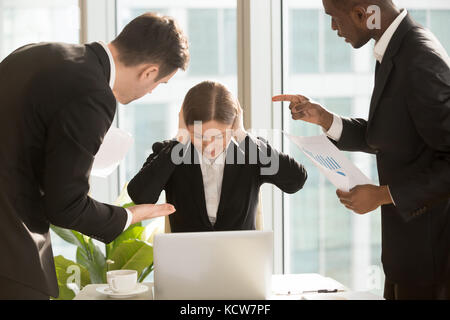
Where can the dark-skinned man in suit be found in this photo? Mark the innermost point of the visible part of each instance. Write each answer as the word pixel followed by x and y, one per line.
pixel 408 129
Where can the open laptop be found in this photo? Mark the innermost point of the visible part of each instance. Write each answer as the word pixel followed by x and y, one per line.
pixel 213 265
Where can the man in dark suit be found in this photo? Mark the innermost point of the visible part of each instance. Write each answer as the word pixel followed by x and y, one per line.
pixel 57 101
pixel 408 129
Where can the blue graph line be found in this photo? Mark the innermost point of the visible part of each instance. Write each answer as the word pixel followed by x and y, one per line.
pixel 319 158
pixel 328 162
pixel 337 164
pixel 331 165
pixel 323 162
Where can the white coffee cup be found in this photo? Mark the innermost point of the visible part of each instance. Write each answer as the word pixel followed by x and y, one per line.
pixel 122 281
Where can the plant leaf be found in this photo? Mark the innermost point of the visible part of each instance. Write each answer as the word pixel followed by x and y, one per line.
pixel 154 228
pixel 84 260
pixel 132 255
pixel 145 273
pixel 70 236
pixel 133 232
pixel 99 260
pixel 68 272
pixel 128 205
pixel 94 262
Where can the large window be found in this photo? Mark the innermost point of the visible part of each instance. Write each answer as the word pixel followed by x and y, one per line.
pixel 311 39
pixel 319 234
pixel 211 28
pixel 27 21
pixel 322 235
pixel 437 20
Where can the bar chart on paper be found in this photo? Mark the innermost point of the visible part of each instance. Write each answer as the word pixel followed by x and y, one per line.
pixel 333 164
pixel 326 162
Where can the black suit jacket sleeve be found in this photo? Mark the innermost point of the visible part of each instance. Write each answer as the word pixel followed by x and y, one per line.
pixel 73 138
pixel 353 136
pixel 428 102
pixel 147 185
pixel 276 167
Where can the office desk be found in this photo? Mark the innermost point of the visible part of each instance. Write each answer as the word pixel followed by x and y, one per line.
pixel 284 287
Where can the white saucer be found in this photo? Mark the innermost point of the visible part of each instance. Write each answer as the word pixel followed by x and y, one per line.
pixel 105 290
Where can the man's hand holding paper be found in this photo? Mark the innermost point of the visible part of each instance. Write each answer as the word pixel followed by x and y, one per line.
pixel 354 190
pixel 365 198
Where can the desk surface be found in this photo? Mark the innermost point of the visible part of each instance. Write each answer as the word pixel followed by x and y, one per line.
pixel 284 287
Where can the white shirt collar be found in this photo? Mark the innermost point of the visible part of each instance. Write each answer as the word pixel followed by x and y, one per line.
pixel 112 77
pixel 382 44
pixel 219 160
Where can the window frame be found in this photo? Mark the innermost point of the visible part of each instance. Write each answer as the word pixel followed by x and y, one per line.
pixel 98 23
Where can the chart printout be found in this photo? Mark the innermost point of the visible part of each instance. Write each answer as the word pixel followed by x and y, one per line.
pixel 332 162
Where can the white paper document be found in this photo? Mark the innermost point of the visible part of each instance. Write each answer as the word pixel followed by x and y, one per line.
pixel 332 162
pixel 113 150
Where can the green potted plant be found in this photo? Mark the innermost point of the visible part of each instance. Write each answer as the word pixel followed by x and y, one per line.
pixel 132 250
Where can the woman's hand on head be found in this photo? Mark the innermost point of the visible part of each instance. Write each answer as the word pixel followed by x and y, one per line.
pixel 183 135
pixel 239 131
pixel 181 123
